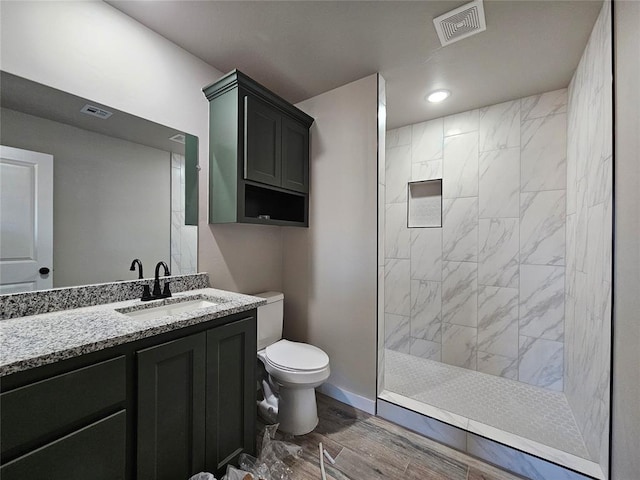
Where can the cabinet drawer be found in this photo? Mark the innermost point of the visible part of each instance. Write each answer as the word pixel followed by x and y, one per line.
pixel 96 452
pixel 42 411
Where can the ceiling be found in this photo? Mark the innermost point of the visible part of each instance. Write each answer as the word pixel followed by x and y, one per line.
pixel 300 49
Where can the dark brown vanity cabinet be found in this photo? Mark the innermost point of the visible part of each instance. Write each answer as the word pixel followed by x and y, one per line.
pixel 259 155
pixel 164 407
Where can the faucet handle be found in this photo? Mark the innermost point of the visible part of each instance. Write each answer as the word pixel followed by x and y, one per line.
pixel 157 293
pixel 166 292
pixel 146 294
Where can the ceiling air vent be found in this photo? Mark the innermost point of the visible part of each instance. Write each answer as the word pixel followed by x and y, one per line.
pixel 460 23
pixel 96 111
pixel 178 137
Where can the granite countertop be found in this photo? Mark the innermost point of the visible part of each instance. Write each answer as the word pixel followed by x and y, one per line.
pixel 32 341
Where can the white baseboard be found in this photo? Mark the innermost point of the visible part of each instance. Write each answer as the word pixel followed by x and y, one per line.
pixel 356 401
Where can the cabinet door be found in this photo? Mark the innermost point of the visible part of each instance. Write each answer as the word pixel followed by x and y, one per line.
pixel 262 142
pixel 171 403
pixel 96 452
pixel 231 393
pixel 295 156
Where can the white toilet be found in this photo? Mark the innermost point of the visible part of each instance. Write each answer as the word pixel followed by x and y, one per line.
pixel 297 368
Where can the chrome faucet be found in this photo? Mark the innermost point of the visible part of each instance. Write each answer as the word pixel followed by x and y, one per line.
pixel 157 293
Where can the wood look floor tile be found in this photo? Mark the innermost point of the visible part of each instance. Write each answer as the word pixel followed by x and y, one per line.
pixel 371 447
pixel 366 447
pixel 417 439
pixel 419 472
pixel 489 472
pixel 356 466
pixel 336 417
pixel 305 470
pixel 371 454
pixel 311 440
pixel 409 447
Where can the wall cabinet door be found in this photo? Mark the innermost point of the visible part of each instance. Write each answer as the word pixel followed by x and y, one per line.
pixel 262 142
pixel 295 156
pixel 231 393
pixel 171 409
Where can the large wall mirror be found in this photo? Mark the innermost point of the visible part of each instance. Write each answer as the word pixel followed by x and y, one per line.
pixel 122 188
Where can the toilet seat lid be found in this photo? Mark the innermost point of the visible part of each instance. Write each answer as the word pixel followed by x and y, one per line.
pixel 296 356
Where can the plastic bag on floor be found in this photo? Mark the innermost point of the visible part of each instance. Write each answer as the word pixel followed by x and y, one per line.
pixel 235 474
pixel 253 466
pixel 273 449
pixel 203 476
pixel 270 464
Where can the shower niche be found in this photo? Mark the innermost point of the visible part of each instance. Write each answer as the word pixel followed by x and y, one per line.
pixel 425 204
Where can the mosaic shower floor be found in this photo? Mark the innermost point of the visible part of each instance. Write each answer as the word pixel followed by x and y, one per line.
pixel 520 409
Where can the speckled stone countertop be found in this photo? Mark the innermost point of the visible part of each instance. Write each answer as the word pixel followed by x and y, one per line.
pixel 32 341
pixel 66 298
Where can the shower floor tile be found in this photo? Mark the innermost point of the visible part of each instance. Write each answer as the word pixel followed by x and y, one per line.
pixel 524 410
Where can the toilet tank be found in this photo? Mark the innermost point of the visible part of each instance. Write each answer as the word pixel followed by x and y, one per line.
pixel 270 319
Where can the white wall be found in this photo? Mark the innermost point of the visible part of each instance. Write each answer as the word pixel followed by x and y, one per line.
pixel 626 354
pixel 102 188
pixel 330 268
pixel 94 51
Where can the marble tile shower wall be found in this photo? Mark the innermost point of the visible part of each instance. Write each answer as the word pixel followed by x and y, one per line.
pixel 485 291
pixel 589 240
pixel 184 238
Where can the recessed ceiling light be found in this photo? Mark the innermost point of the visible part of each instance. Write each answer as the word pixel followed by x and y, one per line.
pixel 438 96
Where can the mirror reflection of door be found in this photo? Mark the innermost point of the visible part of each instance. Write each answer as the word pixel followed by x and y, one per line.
pixel 26 220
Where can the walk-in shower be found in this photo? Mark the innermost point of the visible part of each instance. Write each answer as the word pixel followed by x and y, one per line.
pixel 497 325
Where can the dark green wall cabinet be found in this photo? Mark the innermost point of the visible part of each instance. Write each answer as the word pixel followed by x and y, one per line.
pixel 190 180
pixel 165 407
pixel 259 155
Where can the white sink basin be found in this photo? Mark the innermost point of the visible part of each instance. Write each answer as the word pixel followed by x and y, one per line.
pixel 171 309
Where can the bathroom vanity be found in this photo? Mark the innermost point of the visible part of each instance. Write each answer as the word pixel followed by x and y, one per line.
pixel 154 390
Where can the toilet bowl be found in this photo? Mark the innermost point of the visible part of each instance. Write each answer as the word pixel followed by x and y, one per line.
pixel 297 369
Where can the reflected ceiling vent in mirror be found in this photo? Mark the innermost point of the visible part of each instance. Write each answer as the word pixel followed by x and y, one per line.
pixel 96 111
pixel 178 137
pixel 460 23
